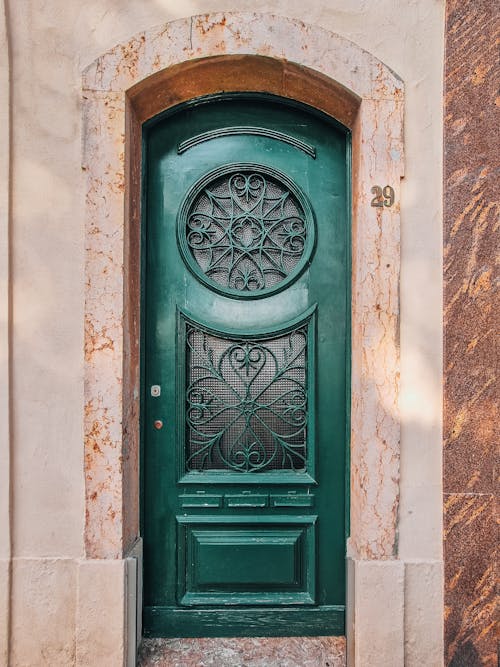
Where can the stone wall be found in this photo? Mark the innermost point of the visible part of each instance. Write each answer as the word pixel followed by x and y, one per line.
pixel 471 308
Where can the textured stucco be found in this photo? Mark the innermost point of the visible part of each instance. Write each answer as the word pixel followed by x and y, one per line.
pixel 5 493
pixel 52 42
pixel 43 612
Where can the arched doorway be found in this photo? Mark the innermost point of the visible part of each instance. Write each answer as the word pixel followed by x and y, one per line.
pixel 171 65
pixel 246 273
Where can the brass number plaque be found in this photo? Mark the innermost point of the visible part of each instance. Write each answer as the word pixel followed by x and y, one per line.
pixel 383 196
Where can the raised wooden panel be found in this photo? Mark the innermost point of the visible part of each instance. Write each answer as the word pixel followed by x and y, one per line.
pixel 292 500
pixel 200 500
pixel 246 500
pixel 246 561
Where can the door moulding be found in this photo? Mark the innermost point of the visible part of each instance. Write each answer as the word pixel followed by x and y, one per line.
pixel 170 64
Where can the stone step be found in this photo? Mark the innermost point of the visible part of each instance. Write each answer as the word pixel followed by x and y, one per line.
pixel 245 652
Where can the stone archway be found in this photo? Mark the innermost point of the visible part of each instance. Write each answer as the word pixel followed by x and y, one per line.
pixel 136 80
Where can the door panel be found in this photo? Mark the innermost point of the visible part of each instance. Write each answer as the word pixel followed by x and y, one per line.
pixel 247 403
pixel 246 561
pixel 245 332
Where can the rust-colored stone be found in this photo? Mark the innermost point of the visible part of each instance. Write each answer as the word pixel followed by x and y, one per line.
pixel 206 76
pixel 470 596
pixel 471 208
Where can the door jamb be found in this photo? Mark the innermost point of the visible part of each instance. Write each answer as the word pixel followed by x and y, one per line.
pixel 292 103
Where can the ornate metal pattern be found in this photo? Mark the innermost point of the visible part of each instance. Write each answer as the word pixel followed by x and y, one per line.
pixel 246 402
pixel 247 231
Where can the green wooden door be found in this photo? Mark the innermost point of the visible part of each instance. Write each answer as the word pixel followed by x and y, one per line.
pixel 245 369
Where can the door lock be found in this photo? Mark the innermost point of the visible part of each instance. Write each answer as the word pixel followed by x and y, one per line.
pixel 158 424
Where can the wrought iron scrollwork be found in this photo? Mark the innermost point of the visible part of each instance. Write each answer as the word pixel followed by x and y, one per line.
pixel 246 231
pixel 246 402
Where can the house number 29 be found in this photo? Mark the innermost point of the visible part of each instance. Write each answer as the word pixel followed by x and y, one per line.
pixel 383 196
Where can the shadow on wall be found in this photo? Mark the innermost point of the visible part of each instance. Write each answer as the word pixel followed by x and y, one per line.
pixel 465 656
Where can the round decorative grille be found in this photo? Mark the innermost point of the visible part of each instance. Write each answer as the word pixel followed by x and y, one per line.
pixel 246 230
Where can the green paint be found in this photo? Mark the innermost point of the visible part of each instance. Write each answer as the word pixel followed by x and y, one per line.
pixel 274 235
pixel 243 511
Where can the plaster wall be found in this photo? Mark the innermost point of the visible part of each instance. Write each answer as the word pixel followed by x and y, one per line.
pixel 5 542
pixel 52 42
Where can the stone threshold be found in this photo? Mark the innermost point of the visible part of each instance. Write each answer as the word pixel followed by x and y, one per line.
pixel 244 652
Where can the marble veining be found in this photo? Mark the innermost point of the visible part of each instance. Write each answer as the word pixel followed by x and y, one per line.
pixel 471 388
pixel 247 652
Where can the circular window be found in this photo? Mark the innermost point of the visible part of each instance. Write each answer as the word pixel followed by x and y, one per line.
pixel 246 230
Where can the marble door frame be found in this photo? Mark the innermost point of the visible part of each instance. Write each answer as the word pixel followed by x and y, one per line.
pixel 134 81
